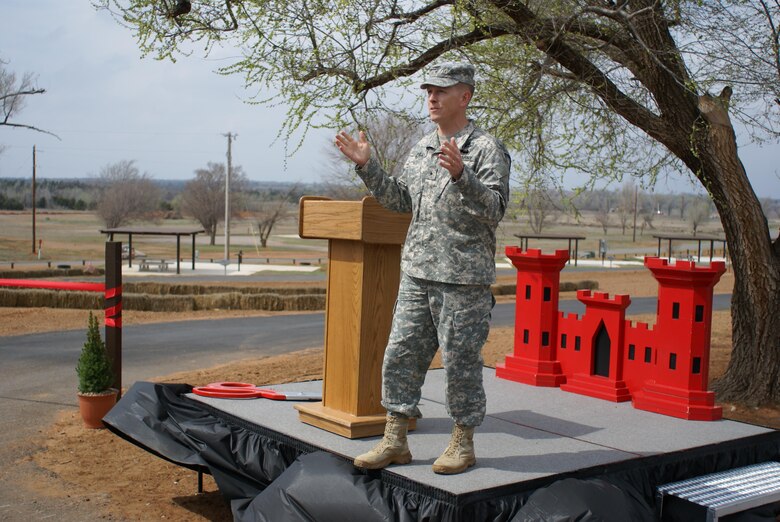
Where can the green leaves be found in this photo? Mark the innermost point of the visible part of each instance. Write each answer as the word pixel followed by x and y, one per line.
pixel 94 366
pixel 569 86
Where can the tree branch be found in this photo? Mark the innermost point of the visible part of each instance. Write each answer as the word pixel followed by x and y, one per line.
pixel 767 12
pixel 548 41
pixel 30 127
pixel 206 25
pixel 21 93
pixel 412 16
pixel 455 42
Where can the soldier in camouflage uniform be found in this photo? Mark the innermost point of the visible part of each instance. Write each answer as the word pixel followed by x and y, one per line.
pixel 456 185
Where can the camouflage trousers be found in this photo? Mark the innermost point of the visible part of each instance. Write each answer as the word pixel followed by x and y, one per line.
pixel 430 315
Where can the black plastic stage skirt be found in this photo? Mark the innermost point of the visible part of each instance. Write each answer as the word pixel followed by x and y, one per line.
pixel 268 476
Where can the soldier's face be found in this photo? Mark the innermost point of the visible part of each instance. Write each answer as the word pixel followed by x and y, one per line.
pixel 446 104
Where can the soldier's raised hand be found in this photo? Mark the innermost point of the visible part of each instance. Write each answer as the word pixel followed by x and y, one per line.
pixel 358 150
pixel 451 158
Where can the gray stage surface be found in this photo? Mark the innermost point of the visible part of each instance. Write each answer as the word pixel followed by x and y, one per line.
pixel 528 433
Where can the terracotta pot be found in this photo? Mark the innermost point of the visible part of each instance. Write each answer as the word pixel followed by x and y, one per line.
pixel 93 407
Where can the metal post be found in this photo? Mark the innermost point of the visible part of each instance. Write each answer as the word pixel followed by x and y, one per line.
pixel 33 202
pixel 113 308
pixel 230 137
pixel 576 250
pixel 178 253
pixel 636 197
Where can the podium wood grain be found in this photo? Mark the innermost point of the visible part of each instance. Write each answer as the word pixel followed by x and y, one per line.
pixel 364 257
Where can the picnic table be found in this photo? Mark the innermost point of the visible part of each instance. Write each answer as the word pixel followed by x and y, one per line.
pixel 147 265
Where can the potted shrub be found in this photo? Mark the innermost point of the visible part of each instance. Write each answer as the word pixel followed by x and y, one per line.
pixel 96 396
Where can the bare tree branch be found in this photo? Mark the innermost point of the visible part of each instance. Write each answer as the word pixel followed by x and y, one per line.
pixel 13 96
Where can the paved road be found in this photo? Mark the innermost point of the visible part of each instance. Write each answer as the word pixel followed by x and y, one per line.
pixel 41 366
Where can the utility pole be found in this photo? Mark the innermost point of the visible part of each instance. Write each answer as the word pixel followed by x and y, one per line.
pixel 230 137
pixel 636 191
pixel 33 202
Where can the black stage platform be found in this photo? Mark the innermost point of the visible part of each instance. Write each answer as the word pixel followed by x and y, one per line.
pixel 531 438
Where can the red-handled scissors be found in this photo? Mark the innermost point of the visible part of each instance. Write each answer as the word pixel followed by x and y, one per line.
pixel 243 390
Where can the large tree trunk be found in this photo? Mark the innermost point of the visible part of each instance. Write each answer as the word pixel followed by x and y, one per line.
pixel 700 134
pixel 753 374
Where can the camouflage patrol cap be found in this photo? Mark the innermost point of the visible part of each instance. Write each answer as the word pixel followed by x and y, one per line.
pixel 449 74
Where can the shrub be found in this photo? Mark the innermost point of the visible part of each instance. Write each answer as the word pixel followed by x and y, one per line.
pixel 94 366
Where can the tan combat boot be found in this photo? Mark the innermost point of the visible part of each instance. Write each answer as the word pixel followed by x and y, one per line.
pixel 392 449
pixel 459 455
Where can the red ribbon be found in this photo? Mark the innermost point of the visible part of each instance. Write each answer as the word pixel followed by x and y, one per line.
pixel 54 285
pixel 114 322
pixel 114 313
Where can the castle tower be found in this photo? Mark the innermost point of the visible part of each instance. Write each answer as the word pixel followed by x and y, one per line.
pixel 597 369
pixel 678 378
pixel 536 318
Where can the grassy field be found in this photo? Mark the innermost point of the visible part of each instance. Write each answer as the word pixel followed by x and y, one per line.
pixel 69 237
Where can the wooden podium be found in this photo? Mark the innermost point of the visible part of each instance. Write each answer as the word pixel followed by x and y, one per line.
pixel 364 258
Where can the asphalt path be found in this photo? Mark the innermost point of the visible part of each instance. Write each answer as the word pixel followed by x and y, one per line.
pixel 40 367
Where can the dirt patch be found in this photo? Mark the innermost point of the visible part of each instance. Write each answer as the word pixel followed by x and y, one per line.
pixel 128 483
pixel 21 321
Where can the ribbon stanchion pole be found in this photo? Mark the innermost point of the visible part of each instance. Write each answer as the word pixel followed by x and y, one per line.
pixel 113 309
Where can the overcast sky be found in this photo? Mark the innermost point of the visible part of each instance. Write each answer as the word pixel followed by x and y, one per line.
pixel 107 104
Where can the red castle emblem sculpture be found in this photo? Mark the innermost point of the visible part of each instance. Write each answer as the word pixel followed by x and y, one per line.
pixel 603 355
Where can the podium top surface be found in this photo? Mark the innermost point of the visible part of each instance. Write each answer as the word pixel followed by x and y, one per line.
pixel 366 221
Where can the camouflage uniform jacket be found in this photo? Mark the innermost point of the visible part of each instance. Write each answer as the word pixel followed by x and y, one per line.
pixel 452 236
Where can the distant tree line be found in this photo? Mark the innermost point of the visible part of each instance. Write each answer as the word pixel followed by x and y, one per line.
pixel 11 203
pixel 16 194
pixel 540 206
pixel 83 194
pixel 122 194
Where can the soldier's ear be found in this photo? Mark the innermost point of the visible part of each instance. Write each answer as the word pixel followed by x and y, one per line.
pixel 466 95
